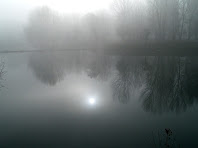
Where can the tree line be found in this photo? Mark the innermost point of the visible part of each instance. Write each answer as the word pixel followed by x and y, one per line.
pixel 157 19
pixel 129 20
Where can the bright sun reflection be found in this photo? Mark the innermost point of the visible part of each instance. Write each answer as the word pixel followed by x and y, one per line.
pixel 92 101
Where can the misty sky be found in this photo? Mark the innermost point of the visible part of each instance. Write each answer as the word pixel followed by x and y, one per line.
pixel 69 74
pixel 18 10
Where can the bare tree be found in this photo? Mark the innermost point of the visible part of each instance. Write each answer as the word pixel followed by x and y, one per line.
pixel 192 9
pixel 173 19
pixel 46 29
pixel 158 14
pixel 194 27
pixel 99 28
pixel 164 18
pixel 188 10
pixel 42 29
pixel 182 11
pixel 131 19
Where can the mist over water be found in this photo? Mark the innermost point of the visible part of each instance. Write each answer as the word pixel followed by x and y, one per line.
pixel 52 101
pixel 116 73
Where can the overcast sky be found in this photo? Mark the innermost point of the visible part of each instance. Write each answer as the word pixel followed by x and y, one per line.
pixel 18 10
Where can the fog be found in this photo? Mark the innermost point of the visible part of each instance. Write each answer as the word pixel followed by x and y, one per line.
pixel 44 25
pixel 99 73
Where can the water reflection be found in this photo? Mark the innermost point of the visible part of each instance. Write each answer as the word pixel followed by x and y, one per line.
pixel 129 77
pixel 51 68
pixel 48 68
pixel 99 67
pixel 169 84
pixel 163 83
pixel 2 72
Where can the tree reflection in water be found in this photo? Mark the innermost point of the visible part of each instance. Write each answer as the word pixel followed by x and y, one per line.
pixel 99 67
pixel 169 83
pixel 2 72
pixel 129 76
pixel 161 74
pixel 51 68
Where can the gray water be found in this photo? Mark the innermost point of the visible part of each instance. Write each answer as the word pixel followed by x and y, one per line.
pixel 45 100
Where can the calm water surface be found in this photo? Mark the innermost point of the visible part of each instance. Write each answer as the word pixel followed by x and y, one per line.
pixel 86 100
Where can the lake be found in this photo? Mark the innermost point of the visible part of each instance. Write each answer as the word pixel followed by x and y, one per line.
pixel 81 99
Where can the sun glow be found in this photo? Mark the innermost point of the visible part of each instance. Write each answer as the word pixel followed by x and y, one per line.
pixel 92 101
